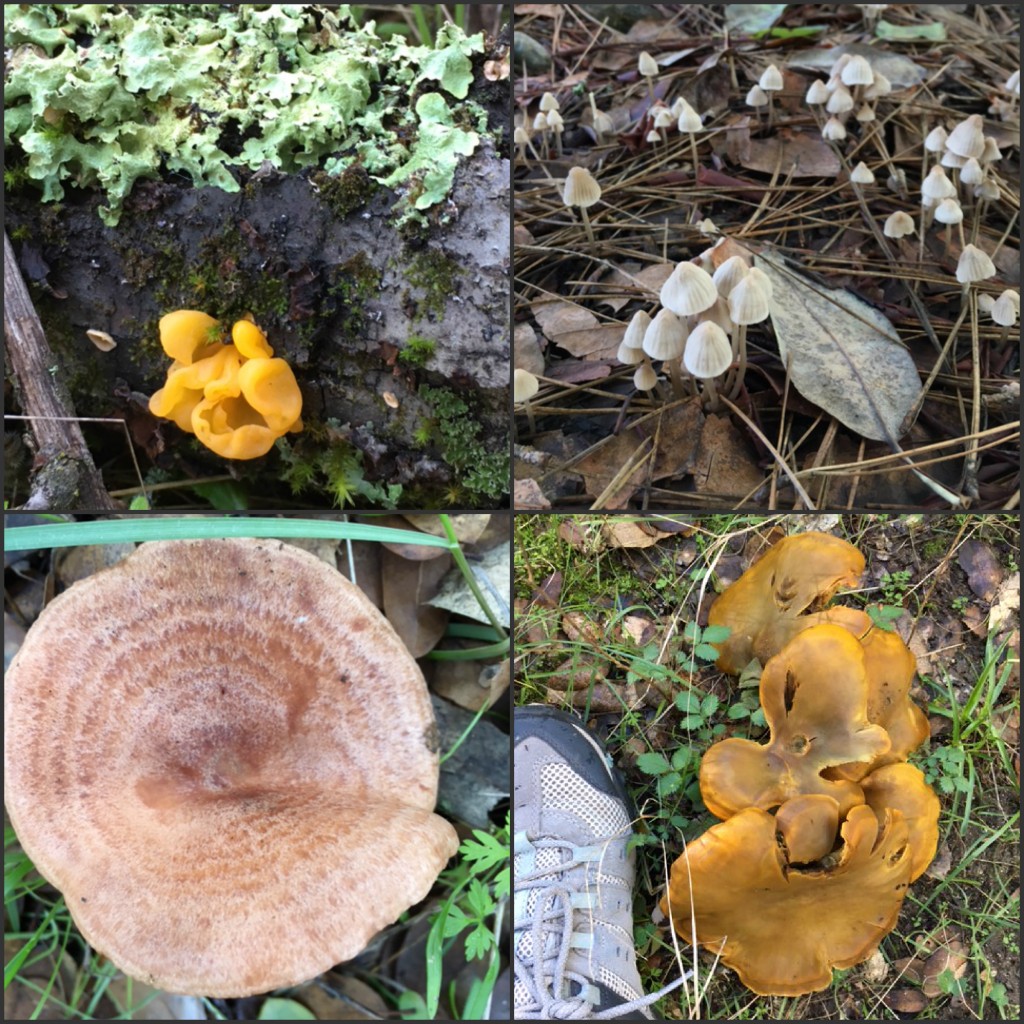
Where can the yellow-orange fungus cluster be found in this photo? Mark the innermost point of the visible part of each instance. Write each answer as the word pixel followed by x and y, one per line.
pixel 235 397
pixel 824 825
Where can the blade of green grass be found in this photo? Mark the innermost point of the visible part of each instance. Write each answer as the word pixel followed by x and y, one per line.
pixel 145 528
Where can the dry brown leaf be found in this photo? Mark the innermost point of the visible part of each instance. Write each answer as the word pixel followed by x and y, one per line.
pixel 984 573
pixel 579 537
pixel 578 627
pixel 842 354
pixel 342 998
pixel 366 556
pixel 676 455
pixel 576 329
pixel 572 372
pixel 408 586
pixel 469 527
pixel 725 464
pixel 623 533
pixel 952 959
pixel 468 683
pixel 904 1000
pixel 641 630
pixel 521 235
pixel 635 282
pixel 792 153
pixel 527 495
pixel 526 350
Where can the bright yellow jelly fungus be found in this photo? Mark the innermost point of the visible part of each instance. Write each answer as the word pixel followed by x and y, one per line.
pixel 236 398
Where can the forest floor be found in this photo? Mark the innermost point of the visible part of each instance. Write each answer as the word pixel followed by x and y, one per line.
pixel 609 617
pixel 880 381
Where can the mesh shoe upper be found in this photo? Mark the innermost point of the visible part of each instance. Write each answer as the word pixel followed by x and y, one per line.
pixel 573 875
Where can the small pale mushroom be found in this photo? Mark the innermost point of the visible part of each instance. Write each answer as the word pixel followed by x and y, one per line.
pixel 648 68
pixel 898 225
pixel 524 386
pixel 814 696
pixel 974 265
pixel 234 780
pixel 688 290
pixel 708 355
pixel 582 190
pixel 784 928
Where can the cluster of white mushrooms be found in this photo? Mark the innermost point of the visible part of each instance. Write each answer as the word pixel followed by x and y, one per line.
pixel 700 333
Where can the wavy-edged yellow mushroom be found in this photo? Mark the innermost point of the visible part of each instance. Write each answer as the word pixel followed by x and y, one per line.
pixel 786 591
pixel 814 696
pixel 784 928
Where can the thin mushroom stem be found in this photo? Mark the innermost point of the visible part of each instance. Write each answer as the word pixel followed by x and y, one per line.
pixel 734 383
pixel 693 153
pixel 971 462
pixel 589 229
pixel 712 394
pixel 675 372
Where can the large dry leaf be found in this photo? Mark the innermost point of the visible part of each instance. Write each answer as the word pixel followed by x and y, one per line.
pixel 408 586
pixel 493 574
pixel 842 354
pixel 677 446
pixel 576 329
pixel 901 71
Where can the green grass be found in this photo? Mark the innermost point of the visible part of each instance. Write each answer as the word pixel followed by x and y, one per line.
pixel 52 967
pixel 658 741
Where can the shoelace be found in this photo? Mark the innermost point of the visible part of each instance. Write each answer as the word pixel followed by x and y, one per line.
pixel 544 972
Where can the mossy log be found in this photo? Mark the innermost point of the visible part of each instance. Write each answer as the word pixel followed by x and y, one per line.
pixel 389 330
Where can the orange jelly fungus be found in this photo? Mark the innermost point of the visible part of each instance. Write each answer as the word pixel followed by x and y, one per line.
pixel 235 397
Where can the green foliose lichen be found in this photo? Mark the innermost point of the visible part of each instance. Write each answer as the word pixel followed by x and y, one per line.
pixel 101 95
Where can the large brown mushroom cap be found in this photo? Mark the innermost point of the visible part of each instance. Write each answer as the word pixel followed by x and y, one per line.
pixel 781 928
pixel 784 593
pixel 902 787
pixel 814 695
pixel 225 758
pixel 890 667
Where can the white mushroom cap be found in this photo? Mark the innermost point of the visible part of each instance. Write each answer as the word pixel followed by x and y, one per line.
pixel 549 103
pixel 935 140
pixel 949 212
pixel 971 173
pixel 990 153
pixel 1006 308
pixel 635 330
pixel 664 119
pixel 524 386
pixel 647 65
pixel 555 121
pixel 645 379
pixel 520 136
pixel 540 122
pixel 840 101
pixel 234 779
pixel 986 302
pixel 834 130
pixel 862 174
pixel 865 113
pixel 936 185
pixel 666 336
pixel 898 224
pixel 817 93
pixel 763 280
pixel 880 87
pixel 771 79
pixel 1012 84
pixel 951 159
pixel 987 190
pixel 688 119
pixel 857 71
pixel 974 265
pixel 688 290
pixel 708 352
pixel 729 274
pixel 652 136
pixel 749 300
pixel 581 188
pixel 968 137
pixel 756 97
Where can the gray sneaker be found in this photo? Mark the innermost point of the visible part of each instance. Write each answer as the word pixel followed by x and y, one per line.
pixel 573 951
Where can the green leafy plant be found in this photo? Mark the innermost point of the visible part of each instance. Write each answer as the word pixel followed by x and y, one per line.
pixel 672 775
pixel 478 891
